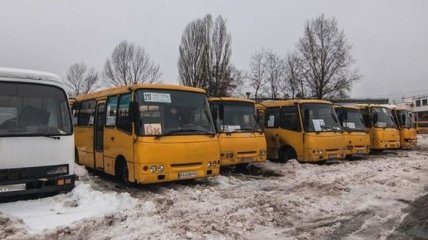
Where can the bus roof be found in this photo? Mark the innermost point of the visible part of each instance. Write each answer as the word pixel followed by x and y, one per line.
pixel 15 74
pixel 346 107
pixel 124 89
pixel 230 99
pixel 279 103
pixel 372 105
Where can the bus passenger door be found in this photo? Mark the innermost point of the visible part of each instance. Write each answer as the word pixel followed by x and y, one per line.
pixel 99 135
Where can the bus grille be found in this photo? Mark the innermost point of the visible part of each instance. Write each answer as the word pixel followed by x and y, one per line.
pixel 194 164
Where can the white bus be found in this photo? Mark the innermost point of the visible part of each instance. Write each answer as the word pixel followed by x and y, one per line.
pixel 36 134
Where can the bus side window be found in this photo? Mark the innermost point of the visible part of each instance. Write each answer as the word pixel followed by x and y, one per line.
pixel 123 121
pixel 111 111
pixel 86 114
pixel 272 117
pixel 290 118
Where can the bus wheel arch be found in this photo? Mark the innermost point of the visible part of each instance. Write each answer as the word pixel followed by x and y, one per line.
pixel 121 169
pixel 286 152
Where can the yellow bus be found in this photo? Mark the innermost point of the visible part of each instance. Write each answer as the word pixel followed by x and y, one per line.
pixel 406 126
pixel 147 133
pixel 307 130
pixel 382 128
pixel 356 134
pixel 242 140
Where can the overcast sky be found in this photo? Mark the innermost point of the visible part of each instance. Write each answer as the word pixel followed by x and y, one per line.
pixel 389 38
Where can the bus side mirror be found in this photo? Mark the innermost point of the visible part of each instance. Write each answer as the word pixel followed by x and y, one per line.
pixel 403 120
pixel 375 117
pixel 133 112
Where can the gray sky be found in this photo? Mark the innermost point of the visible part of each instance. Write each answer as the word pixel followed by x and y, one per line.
pixel 389 38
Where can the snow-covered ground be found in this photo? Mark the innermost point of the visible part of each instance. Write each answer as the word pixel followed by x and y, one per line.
pixel 363 198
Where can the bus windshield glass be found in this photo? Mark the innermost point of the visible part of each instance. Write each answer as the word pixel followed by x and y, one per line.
pixel 405 119
pixel 33 110
pixel 170 112
pixel 382 118
pixel 318 117
pixel 351 120
pixel 237 117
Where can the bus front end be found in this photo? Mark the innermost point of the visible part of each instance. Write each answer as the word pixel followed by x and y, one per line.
pixel 323 136
pixel 176 158
pixel 177 139
pixel 383 132
pixel 408 138
pixel 323 146
pixel 384 138
pixel 356 136
pixel 357 143
pixel 240 136
pixel 36 139
pixel 406 125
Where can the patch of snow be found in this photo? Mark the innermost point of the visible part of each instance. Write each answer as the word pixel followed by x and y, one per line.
pixel 64 209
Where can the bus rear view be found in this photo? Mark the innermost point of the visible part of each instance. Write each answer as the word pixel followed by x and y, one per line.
pixel 36 141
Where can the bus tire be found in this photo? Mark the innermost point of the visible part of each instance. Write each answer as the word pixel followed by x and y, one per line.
pixel 286 153
pixel 121 171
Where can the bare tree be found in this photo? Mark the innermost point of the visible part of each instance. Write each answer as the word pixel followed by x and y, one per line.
pixel 294 77
pixel 257 73
pixel 80 79
pixel 326 58
pixel 130 64
pixel 194 53
pixel 204 59
pixel 274 68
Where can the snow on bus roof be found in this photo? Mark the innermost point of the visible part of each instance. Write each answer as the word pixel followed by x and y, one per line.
pixel 29 75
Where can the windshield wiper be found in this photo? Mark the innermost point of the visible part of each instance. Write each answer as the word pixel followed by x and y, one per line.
pixel 170 133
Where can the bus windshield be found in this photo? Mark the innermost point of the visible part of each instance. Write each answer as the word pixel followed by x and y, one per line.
pixel 164 112
pixel 33 110
pixel 405 119
pixel 351 120
pixel 382 118
pixel 238 116
pixel 319 117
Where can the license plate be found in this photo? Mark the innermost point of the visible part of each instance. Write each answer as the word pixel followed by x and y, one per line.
pixel 332 156
pixel 13 187
pixel 247 159
pixel 360 151
pixel 187 174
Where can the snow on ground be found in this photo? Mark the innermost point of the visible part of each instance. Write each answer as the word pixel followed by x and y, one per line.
pixel 362 198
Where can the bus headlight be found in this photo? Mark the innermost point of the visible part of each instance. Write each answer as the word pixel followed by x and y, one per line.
pixel 161 168
pixel 226 155
pixel 209 164
pixel 152 168
pixel 58 170
pixel 214 163
pixel 262 152
pixel 317 151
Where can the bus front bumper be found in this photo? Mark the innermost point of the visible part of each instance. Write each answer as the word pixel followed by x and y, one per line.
pixel 62 183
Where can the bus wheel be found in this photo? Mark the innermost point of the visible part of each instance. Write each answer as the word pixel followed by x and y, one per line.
pixel 122 171
pixel 286 153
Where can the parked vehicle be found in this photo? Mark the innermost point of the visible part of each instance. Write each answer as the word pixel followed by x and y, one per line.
pixel 36 134
pixel 405 121
pixel 382 128
pixel 147 133
pixel 307 130
pixel 241 139
pixel 356 134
